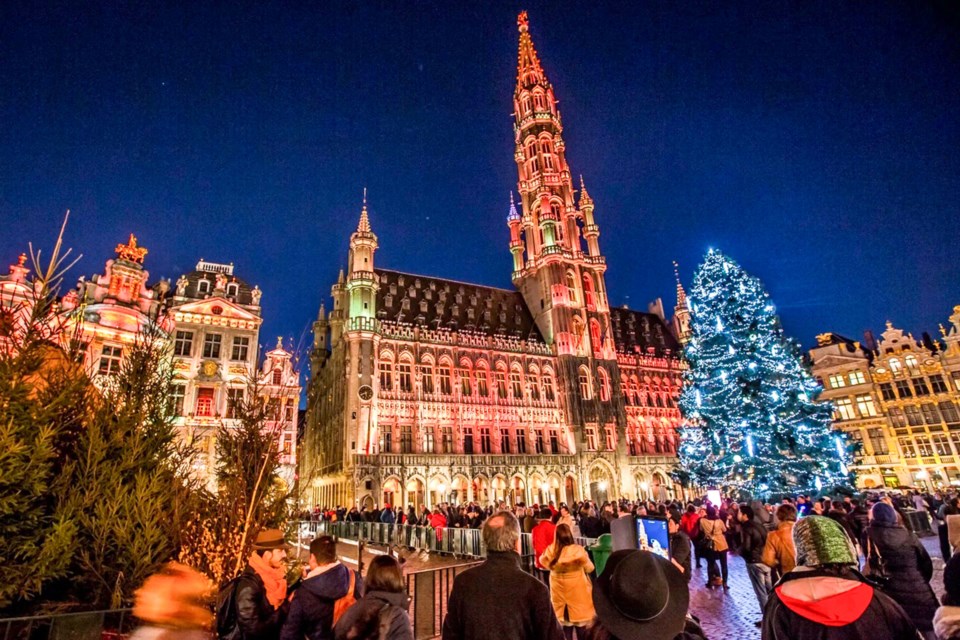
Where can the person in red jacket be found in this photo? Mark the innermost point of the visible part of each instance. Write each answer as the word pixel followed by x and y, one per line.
pixel 438 521
pixel 690 525
pixel 543 534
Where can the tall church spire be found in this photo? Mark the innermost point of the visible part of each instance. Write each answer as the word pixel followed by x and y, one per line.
pixel 529 71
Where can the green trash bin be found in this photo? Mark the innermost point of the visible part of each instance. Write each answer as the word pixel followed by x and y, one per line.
pixel 601 552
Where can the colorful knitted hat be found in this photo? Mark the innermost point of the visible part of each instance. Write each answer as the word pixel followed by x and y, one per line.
pixel 820 540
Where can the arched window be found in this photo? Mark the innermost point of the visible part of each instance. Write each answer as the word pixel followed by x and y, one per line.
pixel 516 383
pixel 572 287
pixel 589 292
pixel 446 378
pixel 604 379
pixel 538 100
pixel 466 379
pixel 526 104
pixel 203 286
pixel 586 388
pixel 481 373
pixel 912 364
pixel 386 372
pixel 595 339
pixel 549 388
pixel 533 379
pixel 233 289
pixel 426 376
pixel 500 376
pixel 895 367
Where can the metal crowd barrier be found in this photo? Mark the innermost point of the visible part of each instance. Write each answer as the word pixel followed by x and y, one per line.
pixel 455 541
pixel 429 591
pixel 85 625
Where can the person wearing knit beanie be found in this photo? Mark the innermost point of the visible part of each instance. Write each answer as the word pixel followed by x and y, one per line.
pixel 820 541
pixel 883 514
pixel 825 597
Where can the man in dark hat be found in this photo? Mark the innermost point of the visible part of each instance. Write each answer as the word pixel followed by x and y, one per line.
pixel 254 605
pixel 642 596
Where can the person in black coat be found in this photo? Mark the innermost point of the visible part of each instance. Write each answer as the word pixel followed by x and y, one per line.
pixel 382 613
pixel 311 611
pixel 906 563
pixel 753 538
pixel 498 600
pixel 826 598
pixel 590 526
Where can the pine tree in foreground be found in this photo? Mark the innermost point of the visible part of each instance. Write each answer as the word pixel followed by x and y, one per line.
pixel 754 424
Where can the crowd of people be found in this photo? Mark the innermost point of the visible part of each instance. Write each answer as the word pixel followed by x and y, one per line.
pixel 823 569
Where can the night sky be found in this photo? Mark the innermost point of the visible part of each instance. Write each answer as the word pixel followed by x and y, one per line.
pixel 818 143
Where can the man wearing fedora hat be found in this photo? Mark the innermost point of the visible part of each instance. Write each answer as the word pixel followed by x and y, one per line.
pixel 259 594
pixel 642 596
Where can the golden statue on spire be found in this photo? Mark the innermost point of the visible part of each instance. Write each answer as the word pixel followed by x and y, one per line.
pixel 522 21
pixel 130 251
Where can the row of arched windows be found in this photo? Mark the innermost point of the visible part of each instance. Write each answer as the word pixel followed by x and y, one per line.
pixel 471 379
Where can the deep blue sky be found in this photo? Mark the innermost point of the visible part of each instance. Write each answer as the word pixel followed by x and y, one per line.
pixel 815 142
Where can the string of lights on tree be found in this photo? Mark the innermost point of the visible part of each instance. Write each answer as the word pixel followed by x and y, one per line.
pixel 754 424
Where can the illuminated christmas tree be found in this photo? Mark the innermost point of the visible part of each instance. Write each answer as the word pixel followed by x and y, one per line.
pixel 754 423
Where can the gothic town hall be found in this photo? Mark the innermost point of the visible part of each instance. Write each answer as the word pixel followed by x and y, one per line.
pixel 426 390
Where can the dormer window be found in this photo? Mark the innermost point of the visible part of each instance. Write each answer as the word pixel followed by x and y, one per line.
pixel 233 289
pixel 203 286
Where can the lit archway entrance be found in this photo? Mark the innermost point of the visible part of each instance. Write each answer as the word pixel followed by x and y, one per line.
pixel 600 484
pixel 570 491
pixel 458 490
pixel 517 490
pixel 391 492
pixel 658 487
pixel 499 489
pixel 643 487
pixel 415 494
pixel 481 490
pixel 438 491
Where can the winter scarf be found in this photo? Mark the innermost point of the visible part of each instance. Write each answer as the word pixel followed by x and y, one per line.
pixel 274 580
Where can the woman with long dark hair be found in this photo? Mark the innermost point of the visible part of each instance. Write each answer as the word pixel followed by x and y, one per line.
pixel 714 547
pixel 382 612
pixel 570 586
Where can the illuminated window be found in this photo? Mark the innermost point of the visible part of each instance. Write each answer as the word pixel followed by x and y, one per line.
pixel 241 347
pixel 572 287
pixel 177 394
pixel 611 436
pixel 837 380
pixel 204 402
pixel 109 360
pixel 446 439
pixel 211 345
pixel 586 390
pixel 923 446
pixel 386 374
pixel 865 405
pixel 549 391
pixel 914 419
pixel 521 441
pixel 516 385
pixel 234 398
pixel 183 344
pixel 844 409
pixel 591 437
pixel 405 377
pixel 857 377
pixel 906 446
pixel 428 440
pixel 446 374
pixel 604 380
pixel 277 376
pixel 941 444
pixel 485 445
pixel 938 384
pixel 895 367
pixel 912 364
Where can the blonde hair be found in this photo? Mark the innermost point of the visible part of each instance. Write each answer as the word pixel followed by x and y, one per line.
pixel 174 597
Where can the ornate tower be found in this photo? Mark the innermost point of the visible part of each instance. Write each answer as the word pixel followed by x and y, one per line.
pixel 563 285
pixel 681 312
pixel 362 333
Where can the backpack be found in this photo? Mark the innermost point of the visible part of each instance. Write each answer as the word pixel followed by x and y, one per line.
pixel 341 605
pixel 226 611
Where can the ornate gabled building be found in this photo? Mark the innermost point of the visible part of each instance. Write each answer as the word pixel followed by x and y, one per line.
pixel 18 295
pixel 427 390
pixel 216 320
pixel 107 313
pixel 899 397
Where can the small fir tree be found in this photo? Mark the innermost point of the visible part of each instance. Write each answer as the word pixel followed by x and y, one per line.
pixel 755 425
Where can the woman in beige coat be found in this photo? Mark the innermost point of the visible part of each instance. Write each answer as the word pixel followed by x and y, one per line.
pixel 570 588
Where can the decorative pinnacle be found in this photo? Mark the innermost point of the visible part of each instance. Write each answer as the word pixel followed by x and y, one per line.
pixel 364 226
pixel 681 294
pixel 513 215
pixel 22 260
pixel 279 342
pixel 130 251
pixel 584 196
pixel 523 22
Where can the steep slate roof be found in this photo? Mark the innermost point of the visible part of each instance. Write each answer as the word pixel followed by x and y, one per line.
pixel 635 331
pixel 435 303
pixel 243 297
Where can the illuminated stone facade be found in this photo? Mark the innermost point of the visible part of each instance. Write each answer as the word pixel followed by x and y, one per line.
pixel 214 335
pixel 900 398
pixel 427 390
